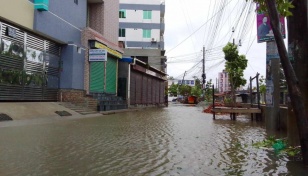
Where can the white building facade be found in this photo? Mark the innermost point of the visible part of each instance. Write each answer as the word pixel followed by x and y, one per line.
pixel 141 30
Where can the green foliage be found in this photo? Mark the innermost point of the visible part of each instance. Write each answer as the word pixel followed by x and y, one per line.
pixel 197 89
pixel 208 94
pixel 279 146
pixel 173 90
pixel 262 85
pixel 18 77
pixel 231 52
pixel 283 7
pixel 185 90
pixel 235 66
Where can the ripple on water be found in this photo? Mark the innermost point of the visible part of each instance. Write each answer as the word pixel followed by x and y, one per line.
pixel 177 140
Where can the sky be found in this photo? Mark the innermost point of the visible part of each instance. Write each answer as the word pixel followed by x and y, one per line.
pixel 192 24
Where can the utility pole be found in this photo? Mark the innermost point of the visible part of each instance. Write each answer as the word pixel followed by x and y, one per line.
pixel 203 69
pixel 183 78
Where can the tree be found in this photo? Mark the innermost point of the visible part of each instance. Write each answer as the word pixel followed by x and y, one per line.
pixel 208 95
pixel 296 86
pixel 184 90
pixel 173 90
pixel 235 66
pixel 197 89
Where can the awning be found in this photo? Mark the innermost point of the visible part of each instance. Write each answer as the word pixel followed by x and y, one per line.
pixel 127 59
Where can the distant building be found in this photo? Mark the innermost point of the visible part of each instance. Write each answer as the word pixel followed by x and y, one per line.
pixel 223 82
pixel 141 31
pixel 180 82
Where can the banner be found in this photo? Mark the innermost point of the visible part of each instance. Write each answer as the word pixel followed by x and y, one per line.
pixel 264 29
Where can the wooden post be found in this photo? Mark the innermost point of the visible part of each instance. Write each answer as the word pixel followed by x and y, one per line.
pixel 258 116
pixel 213 93
pixel 251 97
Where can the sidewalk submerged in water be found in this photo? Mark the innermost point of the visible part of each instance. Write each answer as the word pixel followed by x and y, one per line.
pixel 36 110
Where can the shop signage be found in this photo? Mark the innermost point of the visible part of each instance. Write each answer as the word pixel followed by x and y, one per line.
pixel 11 32
pixel 111 51
pixel 97 55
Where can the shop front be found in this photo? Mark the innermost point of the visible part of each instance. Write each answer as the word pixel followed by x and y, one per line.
pixel 29 65
pixel 103 63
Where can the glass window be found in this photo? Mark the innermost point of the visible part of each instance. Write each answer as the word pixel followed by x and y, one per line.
pixel 146 33
pixel 122 13
pixel 147 14
pixel 121 32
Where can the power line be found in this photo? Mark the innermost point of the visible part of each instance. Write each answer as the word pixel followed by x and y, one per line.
pixel 199 27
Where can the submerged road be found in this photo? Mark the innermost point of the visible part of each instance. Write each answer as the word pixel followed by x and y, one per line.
pixel 176 140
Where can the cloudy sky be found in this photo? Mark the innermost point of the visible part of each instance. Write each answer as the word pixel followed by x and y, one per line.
pixel 192 24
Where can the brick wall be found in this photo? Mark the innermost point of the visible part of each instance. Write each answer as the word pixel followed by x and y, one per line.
pixel 104 18
pixel 111 20
pixel 96 20
pixel 66 95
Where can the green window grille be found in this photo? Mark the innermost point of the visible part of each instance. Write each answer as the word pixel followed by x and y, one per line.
pixel 97 71
pixel 147 14
pixel 121 32
pixel 111 75
pixel 122 13
pixel 146 33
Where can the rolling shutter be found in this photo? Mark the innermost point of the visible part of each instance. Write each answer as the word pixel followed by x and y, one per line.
pixel 111 75
pixel 133 88
pixel 97 76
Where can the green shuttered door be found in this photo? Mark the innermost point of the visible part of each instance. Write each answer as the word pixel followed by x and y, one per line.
pixel 97 76
pixel 111 75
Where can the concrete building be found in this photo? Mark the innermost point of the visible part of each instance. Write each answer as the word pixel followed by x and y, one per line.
pixel 141 30
pixel 143 70
pixel 223 82
pixel 29 59
pixel 51 41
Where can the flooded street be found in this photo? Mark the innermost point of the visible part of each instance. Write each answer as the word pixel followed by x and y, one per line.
pixel 178 140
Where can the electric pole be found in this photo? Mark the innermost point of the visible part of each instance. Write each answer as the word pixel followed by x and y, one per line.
pixel 203 69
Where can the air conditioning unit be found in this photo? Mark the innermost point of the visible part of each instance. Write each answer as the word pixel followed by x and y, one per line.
pixel 153 40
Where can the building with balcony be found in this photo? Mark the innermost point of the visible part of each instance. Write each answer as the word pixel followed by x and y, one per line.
pixel 141 31
pixel 223 82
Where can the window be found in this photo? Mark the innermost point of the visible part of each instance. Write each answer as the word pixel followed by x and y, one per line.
pixel 122 13
pixel 146 33
pixel 147 14
pixel 121 32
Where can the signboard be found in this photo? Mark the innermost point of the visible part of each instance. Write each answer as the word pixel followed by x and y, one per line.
pixel 97 55
pixel 264 29
pixel 111 51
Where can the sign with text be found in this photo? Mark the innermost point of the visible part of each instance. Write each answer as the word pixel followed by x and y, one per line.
pixel 97 55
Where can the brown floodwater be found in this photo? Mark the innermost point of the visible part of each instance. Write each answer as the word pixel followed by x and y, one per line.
pixel 177 140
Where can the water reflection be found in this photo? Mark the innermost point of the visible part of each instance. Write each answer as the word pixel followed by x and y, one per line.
pixel 178 140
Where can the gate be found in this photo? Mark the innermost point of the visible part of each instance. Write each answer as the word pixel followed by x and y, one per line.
pixel 29 67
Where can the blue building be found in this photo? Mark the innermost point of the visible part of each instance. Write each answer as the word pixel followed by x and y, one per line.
pixel 44 48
